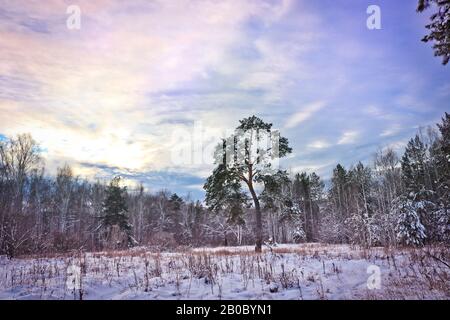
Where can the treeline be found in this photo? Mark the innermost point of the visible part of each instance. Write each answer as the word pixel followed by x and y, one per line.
pixel 40 213
pixel 45 214
pixel 395 201
pixel 402 200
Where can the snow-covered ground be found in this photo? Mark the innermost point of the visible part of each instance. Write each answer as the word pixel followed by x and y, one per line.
pixel 304 271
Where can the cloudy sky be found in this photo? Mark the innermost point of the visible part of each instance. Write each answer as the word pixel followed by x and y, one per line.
pixel 142 79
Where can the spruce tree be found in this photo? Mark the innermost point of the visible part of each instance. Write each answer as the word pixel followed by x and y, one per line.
pixel 413 166
pixel 442 160
pixel 409 228
pixel 175 204
pixel 115 210
pixel 415 210
pixel 316 186
pixel 293 214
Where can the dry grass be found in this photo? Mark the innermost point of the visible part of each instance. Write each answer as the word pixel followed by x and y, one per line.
pixel 413 273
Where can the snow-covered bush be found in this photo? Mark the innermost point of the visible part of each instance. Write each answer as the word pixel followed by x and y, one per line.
pixel 409 227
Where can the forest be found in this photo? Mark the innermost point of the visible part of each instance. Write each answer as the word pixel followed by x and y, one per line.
pixel 396 200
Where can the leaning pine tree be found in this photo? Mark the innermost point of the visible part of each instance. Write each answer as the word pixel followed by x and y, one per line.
pixel 246 159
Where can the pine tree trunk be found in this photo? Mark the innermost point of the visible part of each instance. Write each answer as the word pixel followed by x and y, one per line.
pixel 258 229
pixel 258 246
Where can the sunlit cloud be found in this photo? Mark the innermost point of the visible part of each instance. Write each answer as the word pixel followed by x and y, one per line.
pixel 318 144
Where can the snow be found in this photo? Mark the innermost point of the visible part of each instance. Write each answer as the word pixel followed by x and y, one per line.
pixel 300 271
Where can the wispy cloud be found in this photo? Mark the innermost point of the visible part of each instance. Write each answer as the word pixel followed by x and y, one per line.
pixel 304 114
pixel 348 137
pixel 390 131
